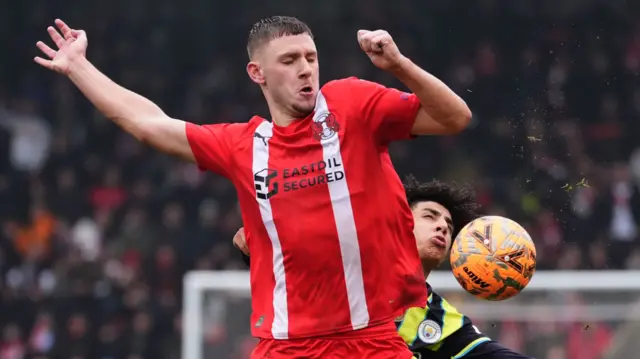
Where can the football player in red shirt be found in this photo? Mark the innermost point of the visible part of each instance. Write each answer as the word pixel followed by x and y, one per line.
pixel 438 330
pixel 324 212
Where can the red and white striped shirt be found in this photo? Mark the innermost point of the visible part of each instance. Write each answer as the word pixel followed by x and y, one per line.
pixel 325 215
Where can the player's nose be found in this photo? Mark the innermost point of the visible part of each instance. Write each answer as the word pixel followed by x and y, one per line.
pixel 305 70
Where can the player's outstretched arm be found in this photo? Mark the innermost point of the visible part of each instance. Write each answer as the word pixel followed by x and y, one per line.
pixel 442 111
pixel 133 113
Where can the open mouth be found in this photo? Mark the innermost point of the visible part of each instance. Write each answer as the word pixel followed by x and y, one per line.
pixel 307 90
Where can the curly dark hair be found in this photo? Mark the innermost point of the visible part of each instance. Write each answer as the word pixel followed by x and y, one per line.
pixel 459 199
pixel 274 27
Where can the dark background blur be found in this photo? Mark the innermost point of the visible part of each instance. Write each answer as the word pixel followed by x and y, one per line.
pixel 97 230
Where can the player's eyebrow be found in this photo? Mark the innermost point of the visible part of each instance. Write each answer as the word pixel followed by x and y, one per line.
pixel 289 54
pixel 296 54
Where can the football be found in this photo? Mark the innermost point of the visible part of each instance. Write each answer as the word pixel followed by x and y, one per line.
pixel 493 258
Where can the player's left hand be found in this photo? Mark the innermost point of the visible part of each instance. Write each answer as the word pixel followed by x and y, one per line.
pixel 240 241
pixel 380 48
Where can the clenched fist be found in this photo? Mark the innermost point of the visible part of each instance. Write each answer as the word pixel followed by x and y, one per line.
pixel 380 48
pixel 71 45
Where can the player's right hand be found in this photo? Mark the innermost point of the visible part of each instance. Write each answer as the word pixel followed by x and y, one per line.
pixel 71 45
pixel 240 241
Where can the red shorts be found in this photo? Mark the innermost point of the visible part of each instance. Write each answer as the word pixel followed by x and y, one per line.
pixel 308 348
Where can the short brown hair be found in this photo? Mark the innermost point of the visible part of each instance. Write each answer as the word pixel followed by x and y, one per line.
pixel 274 27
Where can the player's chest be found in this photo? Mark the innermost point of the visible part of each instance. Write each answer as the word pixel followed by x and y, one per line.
pixel 283 165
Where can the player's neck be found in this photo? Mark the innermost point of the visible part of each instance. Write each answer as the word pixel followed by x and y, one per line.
pixel 428 266
pixel 281 119
pixel 426 273
pixel 281 115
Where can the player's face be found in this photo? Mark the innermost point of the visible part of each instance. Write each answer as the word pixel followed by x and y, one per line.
pixel 290 69
pixel 433 227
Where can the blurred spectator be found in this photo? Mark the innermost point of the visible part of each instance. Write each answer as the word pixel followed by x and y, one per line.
pixel 30 136
pixel 588 344
pixel 12 345
pixel 619 210
pixel 42 337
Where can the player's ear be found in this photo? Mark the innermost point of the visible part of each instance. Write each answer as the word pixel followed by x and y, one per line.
pixel 255 72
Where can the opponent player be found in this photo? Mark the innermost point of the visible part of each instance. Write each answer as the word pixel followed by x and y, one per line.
pixel 323 209
pixel 437 331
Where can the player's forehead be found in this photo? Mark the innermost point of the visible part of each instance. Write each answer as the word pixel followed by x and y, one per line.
pixel 294 45
pixel 433 208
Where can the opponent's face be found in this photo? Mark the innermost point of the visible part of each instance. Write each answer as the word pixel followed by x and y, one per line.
pixel 287 67
pixel 432 229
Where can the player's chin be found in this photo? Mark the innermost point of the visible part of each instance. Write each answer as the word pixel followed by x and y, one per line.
pixel 304 108
pixel 436 252
pixel 433 254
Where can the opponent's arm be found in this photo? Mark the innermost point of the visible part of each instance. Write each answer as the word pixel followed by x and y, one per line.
pixel 441 110
pixel 135 114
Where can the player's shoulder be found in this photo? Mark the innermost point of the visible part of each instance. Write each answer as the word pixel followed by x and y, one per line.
pixel 255 122
pixel 350 89
pixel 243 129
pixel 234 133
pixel 238 127
pixel 256 128
pixel 436 301
pixel 349 95
pixel 350 84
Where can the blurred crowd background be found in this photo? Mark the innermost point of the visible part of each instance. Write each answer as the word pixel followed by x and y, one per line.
pixel 97 230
